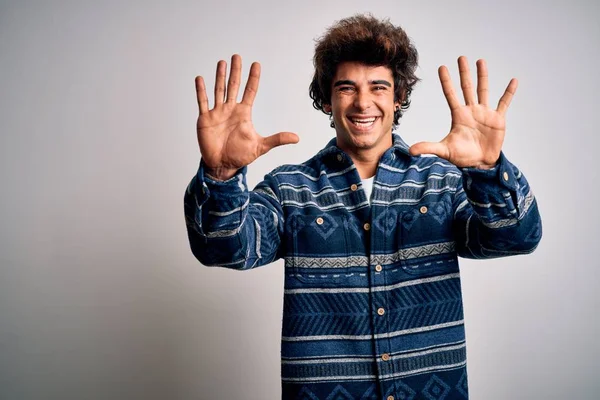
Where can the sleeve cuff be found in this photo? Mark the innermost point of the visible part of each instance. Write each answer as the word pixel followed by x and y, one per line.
pixel 208 184
pixel 502 173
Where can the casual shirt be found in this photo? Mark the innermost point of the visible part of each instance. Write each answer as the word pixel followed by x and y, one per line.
pixel 367 186
pixel 372 296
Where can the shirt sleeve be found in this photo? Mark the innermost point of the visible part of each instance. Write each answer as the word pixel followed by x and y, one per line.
pixel 230 226
pixel 495 213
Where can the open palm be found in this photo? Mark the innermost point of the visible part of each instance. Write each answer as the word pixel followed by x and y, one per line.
pixel 477 131
pixel 226 135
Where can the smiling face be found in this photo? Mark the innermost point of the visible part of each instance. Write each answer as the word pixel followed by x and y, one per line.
pixel 362 105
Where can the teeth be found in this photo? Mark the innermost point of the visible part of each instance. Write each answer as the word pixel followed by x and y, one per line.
pixel 363 121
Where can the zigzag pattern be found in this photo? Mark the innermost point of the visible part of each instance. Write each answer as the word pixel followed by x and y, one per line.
pixel 414 252
pixel 440 385
pixel 315 264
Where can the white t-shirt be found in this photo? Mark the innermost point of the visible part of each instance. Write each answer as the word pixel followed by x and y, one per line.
pixel 368 187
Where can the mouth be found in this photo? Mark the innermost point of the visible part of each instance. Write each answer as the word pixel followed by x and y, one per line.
pixel 362 123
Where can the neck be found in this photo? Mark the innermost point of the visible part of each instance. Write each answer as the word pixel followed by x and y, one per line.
pixel 366 159
pixel 366 166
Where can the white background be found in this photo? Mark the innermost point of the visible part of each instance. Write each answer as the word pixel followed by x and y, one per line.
pixel 100 296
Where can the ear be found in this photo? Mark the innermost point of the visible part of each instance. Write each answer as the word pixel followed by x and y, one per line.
pixel 327 108
pixel 398 103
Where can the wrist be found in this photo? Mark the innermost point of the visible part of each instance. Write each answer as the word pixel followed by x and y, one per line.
pixel 486 166
pixel 220 174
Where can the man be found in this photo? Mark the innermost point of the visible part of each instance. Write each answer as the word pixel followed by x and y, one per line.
pixel 372 299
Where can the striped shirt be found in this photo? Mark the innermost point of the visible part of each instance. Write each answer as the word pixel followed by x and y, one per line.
pixel 372 296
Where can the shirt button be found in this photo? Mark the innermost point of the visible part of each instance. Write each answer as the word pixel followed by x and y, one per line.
pixel 505 176
pixel 423 209
pixel 339 157
pixel 320 221
pixel 385 357
pixel 380 311
pixel 367 226
pixel 378 268
pixel 353 187
pixel 390 398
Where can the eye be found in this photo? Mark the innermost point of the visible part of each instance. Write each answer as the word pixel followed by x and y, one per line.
pixel 378 88
pixel 345 88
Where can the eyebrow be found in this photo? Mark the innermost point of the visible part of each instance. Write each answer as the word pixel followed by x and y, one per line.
pixel 375 82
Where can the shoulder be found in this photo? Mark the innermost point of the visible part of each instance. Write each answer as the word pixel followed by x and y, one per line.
pixel 311 169
pixel 420 165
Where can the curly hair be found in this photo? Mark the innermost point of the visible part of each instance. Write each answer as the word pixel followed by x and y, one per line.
pixel 368 40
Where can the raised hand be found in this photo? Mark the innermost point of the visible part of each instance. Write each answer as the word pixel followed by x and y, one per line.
pixel 477 131
pixel 226 136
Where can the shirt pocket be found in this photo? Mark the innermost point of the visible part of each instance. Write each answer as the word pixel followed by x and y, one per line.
pixel 427 239
pixel 318 247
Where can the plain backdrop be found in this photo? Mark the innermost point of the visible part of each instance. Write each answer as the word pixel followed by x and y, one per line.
pixel 100 296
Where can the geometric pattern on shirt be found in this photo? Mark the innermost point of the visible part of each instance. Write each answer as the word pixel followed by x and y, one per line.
pixel 339 393
pixel 427 304
pixel 436 389
pixel 404 391
pixel 462 385
pixel 404 184
pixel 383 259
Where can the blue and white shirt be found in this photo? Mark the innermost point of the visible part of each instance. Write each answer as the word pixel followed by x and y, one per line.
pixel 372 297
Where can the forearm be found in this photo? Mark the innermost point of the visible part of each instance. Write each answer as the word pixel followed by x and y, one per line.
pixel 227 224
pixel 496 213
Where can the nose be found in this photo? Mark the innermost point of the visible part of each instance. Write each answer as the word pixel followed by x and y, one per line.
pixel 362 100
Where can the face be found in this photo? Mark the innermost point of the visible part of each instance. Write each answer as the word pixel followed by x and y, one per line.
pixel 362 105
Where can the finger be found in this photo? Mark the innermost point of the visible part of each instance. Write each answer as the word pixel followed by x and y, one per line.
pixel 447 87
pixel 252 84
pixel 233 85
pixel 278 139
pixel 437 148
pixel 465 80
pixel 482 82
pixel 201 95
pixel 506 98
pixel 220 83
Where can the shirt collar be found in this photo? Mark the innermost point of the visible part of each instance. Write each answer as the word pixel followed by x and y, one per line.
pixel 398 148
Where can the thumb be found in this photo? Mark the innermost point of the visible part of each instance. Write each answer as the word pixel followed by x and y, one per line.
pixel 437 148
pixel 278 139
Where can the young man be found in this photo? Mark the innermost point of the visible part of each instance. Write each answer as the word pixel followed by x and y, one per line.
pixel 369 230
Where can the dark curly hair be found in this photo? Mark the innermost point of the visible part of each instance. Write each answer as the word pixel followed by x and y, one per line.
pixel 368 40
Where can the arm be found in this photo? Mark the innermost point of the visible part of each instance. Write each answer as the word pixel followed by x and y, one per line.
pixel 230 226
pixel 495 213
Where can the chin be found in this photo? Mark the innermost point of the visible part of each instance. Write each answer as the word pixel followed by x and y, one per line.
pixel 362 141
